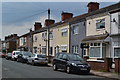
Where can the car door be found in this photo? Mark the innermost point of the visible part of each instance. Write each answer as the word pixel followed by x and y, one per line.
pixel 64 61
pixel 31 58
pixel 58 61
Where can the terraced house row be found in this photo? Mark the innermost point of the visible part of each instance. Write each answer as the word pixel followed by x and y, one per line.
pixel 94 35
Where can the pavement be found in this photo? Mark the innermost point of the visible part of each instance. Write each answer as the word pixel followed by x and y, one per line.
pixel 103 74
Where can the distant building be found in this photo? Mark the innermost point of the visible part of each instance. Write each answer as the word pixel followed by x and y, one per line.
pixel 10 43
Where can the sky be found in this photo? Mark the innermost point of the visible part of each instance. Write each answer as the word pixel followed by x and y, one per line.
pixel 19 17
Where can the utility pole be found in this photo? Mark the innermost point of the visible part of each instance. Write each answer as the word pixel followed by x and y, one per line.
pixel 48 37
pixel 31 39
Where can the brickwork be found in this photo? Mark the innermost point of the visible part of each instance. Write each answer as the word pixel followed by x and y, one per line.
pixel 117 65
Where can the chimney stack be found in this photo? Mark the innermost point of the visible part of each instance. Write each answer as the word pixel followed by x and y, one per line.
pixel 49 22
pixel 92 6
pixel 66 16
pixel 37 26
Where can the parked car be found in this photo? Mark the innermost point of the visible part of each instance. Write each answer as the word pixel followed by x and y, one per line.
pixel 23 56
pixel 15 55
pixel 3 55
pixel 38 59
pixel 70 63
pixel 8 55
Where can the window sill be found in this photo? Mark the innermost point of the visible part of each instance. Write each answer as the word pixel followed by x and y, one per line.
pixel 100 29
pixel 94 60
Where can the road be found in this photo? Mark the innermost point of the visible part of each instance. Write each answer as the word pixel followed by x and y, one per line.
pixel 15 70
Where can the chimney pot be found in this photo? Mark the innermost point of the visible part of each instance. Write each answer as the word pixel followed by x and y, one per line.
pixel 66 16
pixel 49 22
pixel 37 26
pixel 92 6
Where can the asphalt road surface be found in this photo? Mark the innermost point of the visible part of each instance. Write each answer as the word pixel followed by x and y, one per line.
pixel 16 70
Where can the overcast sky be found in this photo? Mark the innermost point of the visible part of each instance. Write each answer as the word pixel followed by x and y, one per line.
pixel 19 17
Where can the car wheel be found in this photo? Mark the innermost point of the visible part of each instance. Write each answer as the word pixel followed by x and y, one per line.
pixel 27 62
pixel 87 72
pixel 54 67
pixel 17 60
pixel 33 63
pixel 68 70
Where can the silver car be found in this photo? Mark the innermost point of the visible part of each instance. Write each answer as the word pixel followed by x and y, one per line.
pixel 38 59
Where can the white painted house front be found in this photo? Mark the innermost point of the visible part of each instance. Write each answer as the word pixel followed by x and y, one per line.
pixel 115 34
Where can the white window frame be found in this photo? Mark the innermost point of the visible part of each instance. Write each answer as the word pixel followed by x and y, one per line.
pixel 75 31
pixel 98 22
pixel 51 34
pixel 64 31
pixel 35 38
pixel 64 47
pixel 114 50
pixel 100 50
pixel 75 49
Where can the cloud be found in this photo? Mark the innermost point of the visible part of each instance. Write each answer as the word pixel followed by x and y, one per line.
pixel 20 30
pixel 60 0
pixel 24 28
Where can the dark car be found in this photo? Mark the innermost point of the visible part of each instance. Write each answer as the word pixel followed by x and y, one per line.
pixel 23 56
pixel 9 56
pixel 70 63
pixel 3 55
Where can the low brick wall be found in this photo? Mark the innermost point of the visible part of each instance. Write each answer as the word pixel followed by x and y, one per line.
pixel 117 65
pixel 101 65
pixel 97 65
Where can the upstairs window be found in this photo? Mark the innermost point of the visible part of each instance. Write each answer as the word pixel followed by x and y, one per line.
pixel 35 38
pixel 75 29
pixel 100 23
pixel 64 32
pixel 119 22
pixel 51 35
pixel 44 36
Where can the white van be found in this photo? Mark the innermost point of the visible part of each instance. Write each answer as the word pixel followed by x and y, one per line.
pixel 15 55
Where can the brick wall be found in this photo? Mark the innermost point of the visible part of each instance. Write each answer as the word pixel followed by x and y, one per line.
pixel 101 65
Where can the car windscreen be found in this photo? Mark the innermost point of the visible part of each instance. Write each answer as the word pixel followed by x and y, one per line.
pixel 9 54
pixel 41 56
pixel 27 53
pixel 73 57
pixel 17 53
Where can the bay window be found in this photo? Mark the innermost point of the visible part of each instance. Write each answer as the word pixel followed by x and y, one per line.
pixel 97 50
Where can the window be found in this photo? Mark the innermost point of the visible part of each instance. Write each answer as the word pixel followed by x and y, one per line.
pixel 35 38
pixel 100 23
pixel 64 32
pixel 75 49
pixel 75 29
pixel 24 40
pixel 44 50
pixel 119 22
pixel 35 49
pixel 97 50
pixel 117 52
pixel 51 35
pixel 44 36
pixel 64 47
